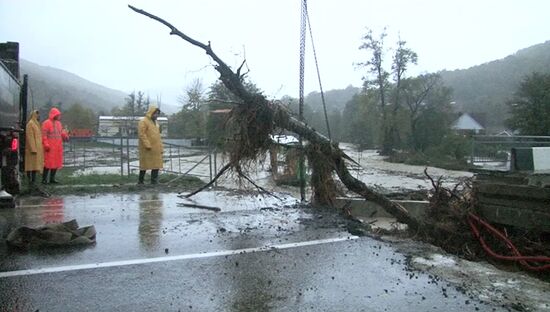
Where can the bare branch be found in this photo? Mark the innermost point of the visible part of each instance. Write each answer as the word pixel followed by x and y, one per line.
pixel 220 173
pixel 239 171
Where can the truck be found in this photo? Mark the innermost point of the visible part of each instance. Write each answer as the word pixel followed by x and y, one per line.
pixel 13 116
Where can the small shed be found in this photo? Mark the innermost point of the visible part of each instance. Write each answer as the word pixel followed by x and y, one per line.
pixel 115 126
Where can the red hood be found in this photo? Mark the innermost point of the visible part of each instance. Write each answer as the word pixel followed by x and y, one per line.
pixel 54 112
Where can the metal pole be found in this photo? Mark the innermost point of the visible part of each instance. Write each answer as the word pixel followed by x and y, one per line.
pixel 472 151
pixel 216 164
pixel 210 161
pixel 301 166
pixel 128 152
pixel 179 160
pixel 170 152
pixel 121 152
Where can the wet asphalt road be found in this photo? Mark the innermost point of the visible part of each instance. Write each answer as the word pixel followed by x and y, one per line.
pixel 256 254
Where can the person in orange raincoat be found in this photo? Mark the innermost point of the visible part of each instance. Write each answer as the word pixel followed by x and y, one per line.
pixel 150 145
pixel 53 136
pixel 34 153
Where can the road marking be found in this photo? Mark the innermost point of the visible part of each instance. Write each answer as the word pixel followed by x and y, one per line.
pixel 173 258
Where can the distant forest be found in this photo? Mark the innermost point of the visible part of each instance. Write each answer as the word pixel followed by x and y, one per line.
pixel 481 90
pixel 484 89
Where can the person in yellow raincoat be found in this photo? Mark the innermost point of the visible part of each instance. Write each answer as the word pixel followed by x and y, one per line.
pixel 34 153
pixel 150 145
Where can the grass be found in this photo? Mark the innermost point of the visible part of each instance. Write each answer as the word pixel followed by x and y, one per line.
pixel 115 183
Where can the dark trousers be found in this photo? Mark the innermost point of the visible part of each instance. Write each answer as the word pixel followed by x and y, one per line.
pixel 51 172
pixel 31 175
pixel 154 176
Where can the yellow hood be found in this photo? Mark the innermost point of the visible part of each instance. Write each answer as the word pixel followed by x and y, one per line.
pixel 34 116
pixel 152 109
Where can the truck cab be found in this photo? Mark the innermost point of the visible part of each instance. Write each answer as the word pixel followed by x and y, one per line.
pixel 13 102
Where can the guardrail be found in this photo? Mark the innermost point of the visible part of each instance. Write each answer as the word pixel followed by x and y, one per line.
pixel 497 149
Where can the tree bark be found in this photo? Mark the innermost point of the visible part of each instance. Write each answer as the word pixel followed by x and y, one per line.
pixel 283 119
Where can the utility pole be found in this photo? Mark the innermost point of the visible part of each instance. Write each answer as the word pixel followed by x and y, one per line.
pixel 301 165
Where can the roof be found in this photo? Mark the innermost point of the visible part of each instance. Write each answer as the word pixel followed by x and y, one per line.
pixel 128 118
pixel 467 122
pixel 221 111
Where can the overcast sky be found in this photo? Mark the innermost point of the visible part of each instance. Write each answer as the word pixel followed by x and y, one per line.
pixel 107 43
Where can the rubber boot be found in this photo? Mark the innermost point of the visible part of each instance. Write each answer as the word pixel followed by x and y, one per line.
pixel 31 178
pixel 45 176
pixel 52 176
pixel 141 177
pixel 154 176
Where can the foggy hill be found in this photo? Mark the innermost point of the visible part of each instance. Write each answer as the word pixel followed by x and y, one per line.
pixel 484 89
pixel 335 99
pixel 56 85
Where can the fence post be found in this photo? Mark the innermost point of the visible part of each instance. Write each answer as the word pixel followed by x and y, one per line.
pixel 215 163
pixel 121 153
pixel 179 159
pixel 128 152
pixel 210 160
pixel 472 151
pixel 170 152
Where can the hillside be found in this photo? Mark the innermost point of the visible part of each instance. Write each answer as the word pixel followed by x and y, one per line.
pixel 335 99
pixel 56 85
pixel 484 89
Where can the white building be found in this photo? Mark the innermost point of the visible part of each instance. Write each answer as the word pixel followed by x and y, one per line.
pixel 115 126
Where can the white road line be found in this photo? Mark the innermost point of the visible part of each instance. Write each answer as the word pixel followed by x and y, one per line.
pixel 172 258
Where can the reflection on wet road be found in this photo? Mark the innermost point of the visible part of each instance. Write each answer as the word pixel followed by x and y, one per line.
pixel 256 254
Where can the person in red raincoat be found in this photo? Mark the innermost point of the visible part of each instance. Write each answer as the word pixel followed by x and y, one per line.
pixel 53 136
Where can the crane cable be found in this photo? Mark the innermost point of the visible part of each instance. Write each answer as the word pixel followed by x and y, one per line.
pixel 318 75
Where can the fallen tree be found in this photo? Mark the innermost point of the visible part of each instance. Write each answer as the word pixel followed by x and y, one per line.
pixel 256 118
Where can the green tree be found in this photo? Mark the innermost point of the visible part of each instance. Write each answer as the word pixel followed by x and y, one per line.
pixel 415 92
pixel 363 117
pixel 79 117
pixel 389 94
pixel 530 106
pixel 378 79
pixel 135 105
pixel 402 58
pixel 44 110
pixel 190 121
pixel 434 118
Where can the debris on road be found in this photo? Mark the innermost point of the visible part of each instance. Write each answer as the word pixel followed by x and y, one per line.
pixel 51 235
pixel 216 209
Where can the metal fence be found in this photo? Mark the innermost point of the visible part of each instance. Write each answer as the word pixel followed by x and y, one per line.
pixel 496 150
pixel 120 155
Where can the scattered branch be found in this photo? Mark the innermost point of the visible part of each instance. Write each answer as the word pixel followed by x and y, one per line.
pixel 220 173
